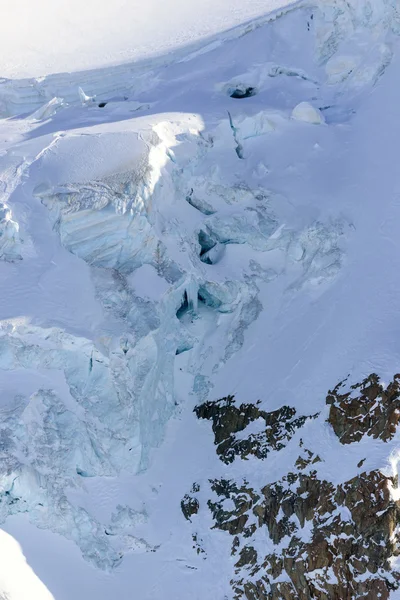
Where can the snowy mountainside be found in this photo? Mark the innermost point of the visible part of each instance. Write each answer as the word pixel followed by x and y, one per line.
pixel 39 40
pixel 191 261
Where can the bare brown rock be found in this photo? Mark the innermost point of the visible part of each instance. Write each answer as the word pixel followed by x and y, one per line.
pixel 352 533
pixel 367 409
pixel 323 541
pixel 228 419
pixel 189 506
pixel 328 536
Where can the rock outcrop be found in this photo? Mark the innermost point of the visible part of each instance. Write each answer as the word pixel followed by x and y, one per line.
pixel 330 542
pixel 190 504
pixel 368 408
pixel 304 537
pixel 229 423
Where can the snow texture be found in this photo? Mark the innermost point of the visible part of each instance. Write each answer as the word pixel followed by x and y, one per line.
pixel 162 243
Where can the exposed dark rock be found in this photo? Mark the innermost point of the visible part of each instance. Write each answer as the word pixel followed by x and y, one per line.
pixel 335 542
pixel 276 428
pixel 303 461
pixel 323 541
pixel 243 498
pixel 197 545
pixel 248 556
pixel 189 506
pixel 367 409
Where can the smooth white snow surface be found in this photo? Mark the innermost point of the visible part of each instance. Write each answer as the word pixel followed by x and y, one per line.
pixel 43 37
pixel 17 579
pixel 162 243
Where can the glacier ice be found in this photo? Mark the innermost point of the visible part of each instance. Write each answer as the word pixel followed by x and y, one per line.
pixel 48 109
pixel 120 389
pixel 172 203
pixel 10 241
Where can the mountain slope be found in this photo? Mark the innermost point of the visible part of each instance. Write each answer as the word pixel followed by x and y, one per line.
pixel 193 259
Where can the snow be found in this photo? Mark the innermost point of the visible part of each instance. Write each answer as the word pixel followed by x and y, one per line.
pixel 147 283
pixel 308 113
pixel 17 579
pixel 177 245
pixel 39 39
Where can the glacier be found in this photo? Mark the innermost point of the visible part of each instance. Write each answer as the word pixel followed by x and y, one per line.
pixel 167 236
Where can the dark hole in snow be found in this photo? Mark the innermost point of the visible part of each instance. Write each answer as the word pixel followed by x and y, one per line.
pixel 81 473
pixel 206 259
pixel 184 307
pixel 108 532
pixel 206 242
pixel 208 299
pixel 211 249
pixel 242 92
pixel 239 151
pixel 102 104
pixel 181 350
pixel 11 499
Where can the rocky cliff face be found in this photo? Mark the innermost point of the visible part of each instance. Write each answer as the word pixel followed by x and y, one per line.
pixel 368 408
pixel 230 423
pixel 303 537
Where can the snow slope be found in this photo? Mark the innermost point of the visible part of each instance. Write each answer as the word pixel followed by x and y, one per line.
pixel 163 243
pixel 42 38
